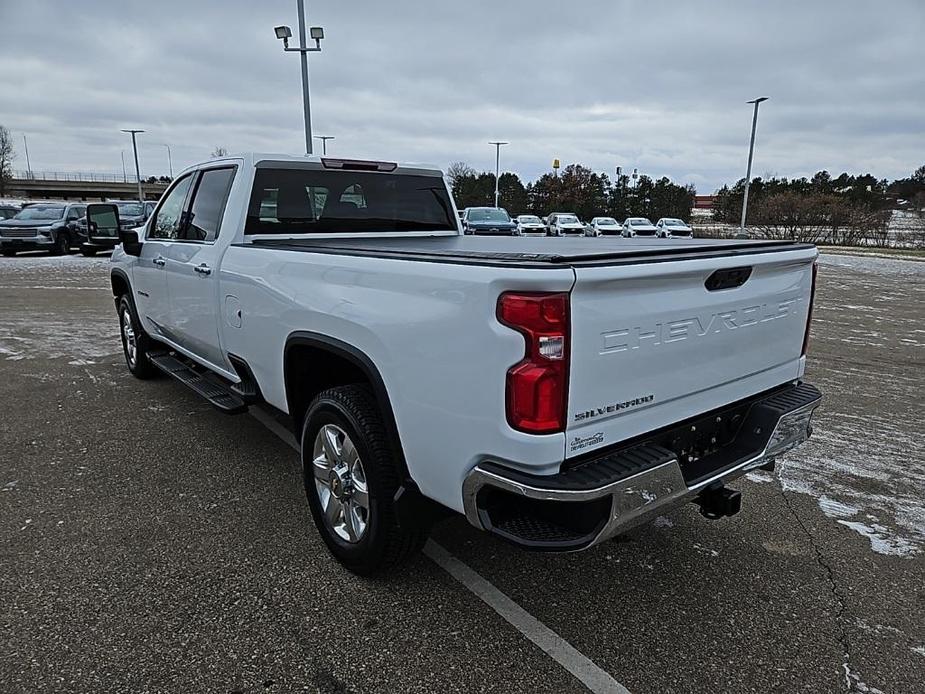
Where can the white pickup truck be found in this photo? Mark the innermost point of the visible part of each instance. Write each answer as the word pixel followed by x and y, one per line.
pixel 555 392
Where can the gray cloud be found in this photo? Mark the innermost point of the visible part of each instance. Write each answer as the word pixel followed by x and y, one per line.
pixel 656 86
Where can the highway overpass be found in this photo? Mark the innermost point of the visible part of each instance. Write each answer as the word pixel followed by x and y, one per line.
pixel 85 187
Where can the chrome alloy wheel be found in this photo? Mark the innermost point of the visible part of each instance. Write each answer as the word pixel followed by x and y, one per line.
pixel 128 337
pixel 340 483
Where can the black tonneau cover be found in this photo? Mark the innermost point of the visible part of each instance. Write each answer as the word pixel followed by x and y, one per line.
pixel 527 251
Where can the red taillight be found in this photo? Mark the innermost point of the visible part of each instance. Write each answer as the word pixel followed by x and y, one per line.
pixel 809 313
pixel 537 385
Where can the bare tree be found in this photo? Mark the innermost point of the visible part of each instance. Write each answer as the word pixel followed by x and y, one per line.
pixel 7 155
pixel 457 170
pixel 219 152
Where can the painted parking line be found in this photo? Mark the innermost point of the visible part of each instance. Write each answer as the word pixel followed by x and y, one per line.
pixel 557 648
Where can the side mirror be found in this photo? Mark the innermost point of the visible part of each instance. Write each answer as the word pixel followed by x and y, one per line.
pixel 103 220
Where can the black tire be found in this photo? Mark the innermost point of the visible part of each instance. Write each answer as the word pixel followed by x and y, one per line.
pixel 139 365
pixel 9 253
pixel 87 252
pixel 385 544
pixel 62 244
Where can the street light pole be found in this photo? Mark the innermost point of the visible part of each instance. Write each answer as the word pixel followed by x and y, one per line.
pixel 498 146
pixel 25 143
pixel 324 142
pixel 169 161
pixel 748 173
pixel 306 106
pixel 317 33
pixel 141 195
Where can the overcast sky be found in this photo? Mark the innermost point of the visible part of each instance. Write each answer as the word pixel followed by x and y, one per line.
pixel 660 86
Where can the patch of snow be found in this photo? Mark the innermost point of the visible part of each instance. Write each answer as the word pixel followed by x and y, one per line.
pixel 759 476
pixel 30 332
pixel 864 463
pixel 856 684
pixel 45 334
pixel 836 509
pixel 881 539
pixel 706 550
pixel 918 649
pixel 879 628
pixel 873 264
pixel 663 522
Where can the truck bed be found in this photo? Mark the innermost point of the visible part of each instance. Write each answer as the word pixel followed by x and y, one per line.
pixel 531 251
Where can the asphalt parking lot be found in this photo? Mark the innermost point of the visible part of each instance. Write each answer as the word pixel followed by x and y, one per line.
pixel 151 544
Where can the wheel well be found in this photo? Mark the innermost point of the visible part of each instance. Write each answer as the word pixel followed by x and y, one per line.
pixel 313 363
pixel 119 285
pixel 310 370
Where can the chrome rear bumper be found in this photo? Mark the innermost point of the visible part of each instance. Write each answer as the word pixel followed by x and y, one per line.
pixel 616 491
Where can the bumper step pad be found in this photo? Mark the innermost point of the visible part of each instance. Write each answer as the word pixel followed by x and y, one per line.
pixel 594 473
pixel 609 492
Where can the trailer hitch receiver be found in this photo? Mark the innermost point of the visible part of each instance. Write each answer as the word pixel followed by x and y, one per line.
pixel 718 501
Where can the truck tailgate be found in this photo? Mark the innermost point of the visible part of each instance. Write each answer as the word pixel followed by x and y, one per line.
pixel 652 345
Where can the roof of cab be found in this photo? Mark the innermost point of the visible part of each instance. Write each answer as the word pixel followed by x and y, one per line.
pixel 252 159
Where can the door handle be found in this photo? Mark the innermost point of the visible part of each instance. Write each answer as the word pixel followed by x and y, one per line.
pixel 203 269
pixel 159 260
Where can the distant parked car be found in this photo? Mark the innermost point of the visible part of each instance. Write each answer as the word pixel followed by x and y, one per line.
pixel 8 210
pixel 638 226
pixel 529 225
pixel 50 226
pixel 493 221
pixel 132 213
pixel 606 226
pixel 564 224
pixel 670 228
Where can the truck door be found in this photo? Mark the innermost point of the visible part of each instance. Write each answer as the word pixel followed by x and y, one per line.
pixel 192 269
pixel 148 276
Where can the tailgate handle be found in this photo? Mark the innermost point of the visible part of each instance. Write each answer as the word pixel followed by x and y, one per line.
pixel 728 279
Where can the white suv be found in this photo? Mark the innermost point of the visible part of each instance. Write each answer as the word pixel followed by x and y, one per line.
pixel 529 225
pixel 606 226
pixel 670 228
pixel 564 224
pixel 638 226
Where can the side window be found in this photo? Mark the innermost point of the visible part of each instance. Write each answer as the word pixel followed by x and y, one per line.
pixel 209 204
pixel 73 214
pixel 354 195
pixel 166 224
pixel 291 202
pixel 268 200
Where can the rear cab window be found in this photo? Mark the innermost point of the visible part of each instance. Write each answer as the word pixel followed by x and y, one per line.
pixel 310 199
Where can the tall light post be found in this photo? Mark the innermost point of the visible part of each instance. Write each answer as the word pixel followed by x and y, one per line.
pixel 141 195
pixel 619 183
pixel 25 143
pixel 169 161
pixel 317 33
pixel 324 142
pixel 748 173
pixel 498 146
